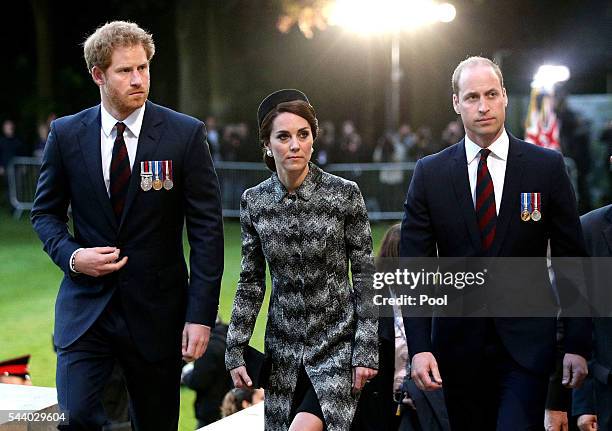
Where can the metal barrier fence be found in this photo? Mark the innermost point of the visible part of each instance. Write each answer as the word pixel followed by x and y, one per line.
pixel 383 185
pixel 22 174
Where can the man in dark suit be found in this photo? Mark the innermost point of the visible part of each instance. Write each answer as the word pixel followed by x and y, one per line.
pixel 465 201
pixel 133 172
pixel 593 402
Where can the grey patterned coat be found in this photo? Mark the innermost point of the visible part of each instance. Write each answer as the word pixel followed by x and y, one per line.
pixel 315 317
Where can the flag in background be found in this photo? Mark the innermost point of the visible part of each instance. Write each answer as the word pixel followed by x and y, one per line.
pixel 541 124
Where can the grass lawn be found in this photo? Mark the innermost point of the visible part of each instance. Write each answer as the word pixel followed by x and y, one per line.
pixel 28 285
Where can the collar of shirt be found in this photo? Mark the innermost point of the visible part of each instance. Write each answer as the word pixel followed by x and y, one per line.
pixel 499 148
pixel 305 189
pixel 133 122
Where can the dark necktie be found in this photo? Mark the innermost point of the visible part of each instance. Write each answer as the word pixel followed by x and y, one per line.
pixel 485 202
pixel 120 173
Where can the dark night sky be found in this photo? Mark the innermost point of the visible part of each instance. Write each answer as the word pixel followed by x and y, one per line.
pixel 333 68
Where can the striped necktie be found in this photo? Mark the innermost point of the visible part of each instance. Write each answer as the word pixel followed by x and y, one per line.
pixel 120 173
pixel 485 202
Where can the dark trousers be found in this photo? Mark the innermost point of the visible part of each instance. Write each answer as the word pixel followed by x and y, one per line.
pixel 84 367
pixel 502 396
pixel 603 405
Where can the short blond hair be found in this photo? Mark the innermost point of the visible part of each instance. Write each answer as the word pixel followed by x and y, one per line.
pixel 98 48
pixel 473 61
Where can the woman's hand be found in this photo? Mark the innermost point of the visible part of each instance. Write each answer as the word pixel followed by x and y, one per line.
pixel 240 377
pixel 361 375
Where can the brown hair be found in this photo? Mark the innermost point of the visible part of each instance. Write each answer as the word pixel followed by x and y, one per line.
pixel 473 61
pixel 297 107
pixel 98 48
pixel 232 401
pixel 389 249
pixel 390 242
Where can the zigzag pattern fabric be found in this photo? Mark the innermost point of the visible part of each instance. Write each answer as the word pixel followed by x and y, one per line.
pixel 316 317
pixel 485 202
pixel 120 173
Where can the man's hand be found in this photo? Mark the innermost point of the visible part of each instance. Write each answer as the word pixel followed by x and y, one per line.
pixel 574 370
pixel 423 364
pixel 587 423
pixel 361 375
pixel 98 261
pixel 240 377
pixel 195 341
pixel 555 420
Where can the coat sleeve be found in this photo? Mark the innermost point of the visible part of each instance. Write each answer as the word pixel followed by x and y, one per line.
pixel 204 223
pixel 358 238
pixel 250 292
pixel 566 240
pixel 583 398
pixel 50 210
pixel 417 240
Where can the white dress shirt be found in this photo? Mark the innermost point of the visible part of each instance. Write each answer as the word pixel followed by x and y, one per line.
pixel 108 134
pixel 496 163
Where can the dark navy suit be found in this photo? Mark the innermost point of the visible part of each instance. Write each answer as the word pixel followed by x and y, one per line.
pixel 440 220
pixel 137 313
pixel 595 397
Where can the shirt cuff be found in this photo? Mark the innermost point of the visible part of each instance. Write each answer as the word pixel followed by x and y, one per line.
pixel 71 263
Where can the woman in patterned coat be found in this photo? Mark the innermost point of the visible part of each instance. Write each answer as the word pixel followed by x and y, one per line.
pixel 307 225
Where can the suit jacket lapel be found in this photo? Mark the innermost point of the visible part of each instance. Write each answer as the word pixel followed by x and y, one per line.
pixel 607 232
pixel 148 140
pixel 461 186
pixel 89 141
pixel 510 194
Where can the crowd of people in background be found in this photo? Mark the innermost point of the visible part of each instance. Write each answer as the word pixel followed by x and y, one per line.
pixel 234 142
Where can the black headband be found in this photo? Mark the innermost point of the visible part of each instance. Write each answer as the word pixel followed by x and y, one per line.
pixel 272 100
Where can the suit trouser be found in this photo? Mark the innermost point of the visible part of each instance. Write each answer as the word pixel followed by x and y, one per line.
pixel 603 405
pixel 502 396
pixel 84 367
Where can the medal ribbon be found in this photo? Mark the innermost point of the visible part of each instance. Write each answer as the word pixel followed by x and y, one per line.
pixel 528 201
pixel 167 170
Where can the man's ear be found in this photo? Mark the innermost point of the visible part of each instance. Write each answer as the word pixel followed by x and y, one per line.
pixel 505 97
pixel 98 76
pixel 456 104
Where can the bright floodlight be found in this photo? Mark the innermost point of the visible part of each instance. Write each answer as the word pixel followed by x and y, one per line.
pixel 367 16
pixel 548 75
pixel 446 12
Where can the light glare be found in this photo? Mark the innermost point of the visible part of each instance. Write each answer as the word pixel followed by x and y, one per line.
pixel 366 16
pixel 446 12
pixel 548 75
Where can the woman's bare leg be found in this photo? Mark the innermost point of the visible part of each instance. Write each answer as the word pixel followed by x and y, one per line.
pixel 304 421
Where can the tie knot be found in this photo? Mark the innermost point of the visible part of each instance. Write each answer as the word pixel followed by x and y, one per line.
pixel 484 153
pixel 120 129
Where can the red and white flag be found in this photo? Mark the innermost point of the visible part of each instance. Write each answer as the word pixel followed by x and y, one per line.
pixel 542 125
